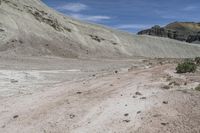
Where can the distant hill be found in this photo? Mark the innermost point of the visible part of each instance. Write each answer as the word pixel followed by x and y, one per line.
pixel 182 31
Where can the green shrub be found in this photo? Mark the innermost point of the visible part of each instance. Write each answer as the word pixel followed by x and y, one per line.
pixel 197 88
pixel 197 60
pixel 189 60
pixel 186 67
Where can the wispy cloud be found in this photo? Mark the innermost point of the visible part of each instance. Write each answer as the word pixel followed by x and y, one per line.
pixel 73 7
pixel 132 26
pixel 95 18
pixel 190 8
pixel 73 10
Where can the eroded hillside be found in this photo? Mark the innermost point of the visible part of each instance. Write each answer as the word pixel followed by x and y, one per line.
pixel 30 28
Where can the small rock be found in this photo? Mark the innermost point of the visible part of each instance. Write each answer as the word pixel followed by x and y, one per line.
pixel 134 97
pixel 157 115
pixel 3 126
pixel 78 92
pixel 174 83
pixel 138 93
pixel 71 116
pixel 13 81
pixel 126 114
pixel 1 30
pixel 169 78
pixel 166 87
pixel 116 71
pixel 138 112
pixel 184 91
pixel 185 83
pixel 165 102
pixel 15 116
pixel 164 124
pixel 126 121
pixel 143 98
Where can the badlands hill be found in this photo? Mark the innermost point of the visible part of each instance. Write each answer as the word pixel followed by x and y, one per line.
pixel 61 75
pixel 182 31
pixel 30 28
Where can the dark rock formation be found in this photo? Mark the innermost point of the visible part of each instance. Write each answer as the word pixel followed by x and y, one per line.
pixel 42 16
pixel 185 31
pixel 194 38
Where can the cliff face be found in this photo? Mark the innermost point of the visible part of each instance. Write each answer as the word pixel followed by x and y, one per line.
pixel 194 38
pixel 182 31
pixel 30 28
pixel 161 32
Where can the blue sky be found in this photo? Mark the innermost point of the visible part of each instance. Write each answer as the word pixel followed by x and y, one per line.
pixel 129 15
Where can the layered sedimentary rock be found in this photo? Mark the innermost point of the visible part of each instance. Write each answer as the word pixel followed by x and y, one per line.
pixel 182 31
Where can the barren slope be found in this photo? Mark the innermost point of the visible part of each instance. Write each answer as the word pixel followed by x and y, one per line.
pixel 28 27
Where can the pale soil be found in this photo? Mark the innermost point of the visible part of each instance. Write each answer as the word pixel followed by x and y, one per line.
pixel 87 96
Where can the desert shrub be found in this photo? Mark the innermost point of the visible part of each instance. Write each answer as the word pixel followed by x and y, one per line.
pixel 166 87
pixel 174 83
pixel 185 67
pixel 197 88
pixel 189 60
pixel 197 60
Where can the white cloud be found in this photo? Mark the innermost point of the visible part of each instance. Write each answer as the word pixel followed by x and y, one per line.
pixel 77 7
pixel 190 8
pixel 96 18
pixel 74 7
pixel 132 26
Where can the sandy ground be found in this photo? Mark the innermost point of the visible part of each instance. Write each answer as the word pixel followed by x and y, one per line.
pixel 53 95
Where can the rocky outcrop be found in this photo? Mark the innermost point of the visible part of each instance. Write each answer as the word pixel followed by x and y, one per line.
pixel 194 38
pixel 44 17
pixel 161 32
pixel 185 31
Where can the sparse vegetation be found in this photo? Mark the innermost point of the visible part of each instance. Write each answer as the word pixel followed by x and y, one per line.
pixel 97 38
pixel 174 83
pixel 197 88
pixel 169 78
pixel 197 60
pixel 187 66
pixel 166 87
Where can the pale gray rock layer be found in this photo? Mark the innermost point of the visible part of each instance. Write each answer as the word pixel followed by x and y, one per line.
pixel 30 28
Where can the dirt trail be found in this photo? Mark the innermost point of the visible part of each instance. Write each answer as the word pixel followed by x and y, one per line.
pixel 117 103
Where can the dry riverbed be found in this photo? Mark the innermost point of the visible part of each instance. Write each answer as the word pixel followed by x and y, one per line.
pixel 51 95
